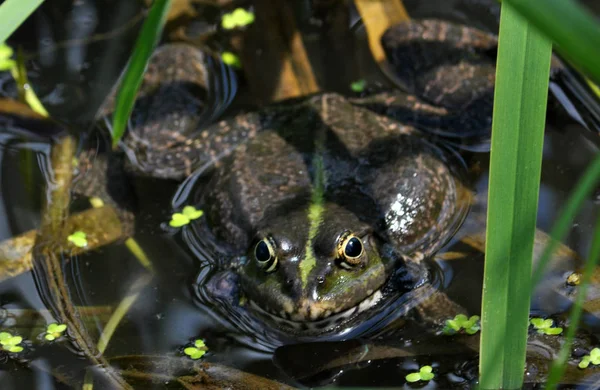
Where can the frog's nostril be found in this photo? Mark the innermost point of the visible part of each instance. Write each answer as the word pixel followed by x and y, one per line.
pixel 289 282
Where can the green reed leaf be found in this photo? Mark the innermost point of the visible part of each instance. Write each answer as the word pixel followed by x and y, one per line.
pixel 574 30
pixel 144 46
pixel 13 13
pixel 521 92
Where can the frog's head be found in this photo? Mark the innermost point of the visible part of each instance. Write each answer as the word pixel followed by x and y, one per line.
pixel 315 268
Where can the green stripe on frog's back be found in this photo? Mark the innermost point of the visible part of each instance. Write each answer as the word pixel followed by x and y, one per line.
pixel 316 207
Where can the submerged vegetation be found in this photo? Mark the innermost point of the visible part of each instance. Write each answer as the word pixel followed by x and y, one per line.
pixel 523 65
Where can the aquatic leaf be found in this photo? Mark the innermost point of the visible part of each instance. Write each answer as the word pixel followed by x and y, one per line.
pixel 78 239
pixel 191 213
pixel 519 116
pixel 4 336
pixel 413 377
pixel 595 356
pixel 585 362
pixel 194 353
pixel 132 80
pixel 472 325
pixel 538 323
pixel 15 348
pixel 54 331
pixel 12 340
pixel 426 373
pixel 553 331
pixel 179 220
pixel 358 86
pixel 58 328
pixel 199 343
pixel 240 17
pixel 231 59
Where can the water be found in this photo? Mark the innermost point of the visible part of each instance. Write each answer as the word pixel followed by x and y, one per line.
pixel 168 314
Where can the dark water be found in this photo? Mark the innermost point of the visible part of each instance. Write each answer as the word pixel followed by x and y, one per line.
pixel 167 314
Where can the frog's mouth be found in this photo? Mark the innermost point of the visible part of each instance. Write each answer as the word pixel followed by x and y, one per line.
pixel 322 324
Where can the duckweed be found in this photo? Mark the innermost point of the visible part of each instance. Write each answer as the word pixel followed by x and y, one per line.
pixel 10 343
pixel 545 326
pixel 238 18
pixel 461 322
pixel 424 374
pixel 593 357
pixel 197 351
pixel 188 214
pixel 54 331
pixel 78 239
pixel 358 86
pixel 231 59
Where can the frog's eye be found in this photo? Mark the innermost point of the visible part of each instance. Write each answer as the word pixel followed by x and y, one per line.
pixel 264 253
pixel 350 250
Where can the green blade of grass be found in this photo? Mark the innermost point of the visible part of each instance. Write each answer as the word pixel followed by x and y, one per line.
pixel 144 46
pixel 521 92
pixel 559 365
pixel 575 31
pixel 13 13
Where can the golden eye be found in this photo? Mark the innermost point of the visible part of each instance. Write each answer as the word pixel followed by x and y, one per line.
pixel 350 250
pixel 264 253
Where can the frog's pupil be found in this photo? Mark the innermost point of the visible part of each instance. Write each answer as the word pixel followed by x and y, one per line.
pixel 353 247
pixel 262 251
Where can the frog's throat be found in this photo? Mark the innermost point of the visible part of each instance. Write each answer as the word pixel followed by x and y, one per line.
pixel 316 208
pixel 320 324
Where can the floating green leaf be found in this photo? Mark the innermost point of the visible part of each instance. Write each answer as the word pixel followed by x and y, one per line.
pixel 545 326
pixel 10 343
pixel 425 374
pixel 231 59
pixel 197 351
pixel 78 239
pixel 54 331
pixel 144 46
pixel 593 357
pixel 461 322
pixel 189 213
pixel 238 18
pixel 358 86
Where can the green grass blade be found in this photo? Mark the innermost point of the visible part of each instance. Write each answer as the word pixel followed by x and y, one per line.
pixel 144 46
pixel 575 31
pixel 521 92
pixel 559 365
pixel 13 13
pixel 580 194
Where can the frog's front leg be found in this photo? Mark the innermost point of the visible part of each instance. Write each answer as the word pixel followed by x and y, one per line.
pixel 421 201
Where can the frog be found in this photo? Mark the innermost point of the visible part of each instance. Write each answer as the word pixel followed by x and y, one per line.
pixel 320 212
